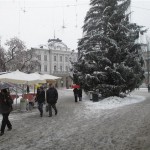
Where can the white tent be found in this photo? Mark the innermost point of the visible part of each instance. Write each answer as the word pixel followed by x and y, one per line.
pixel 50 77
pixel 19 77
pixel 36 75
pixel 46 77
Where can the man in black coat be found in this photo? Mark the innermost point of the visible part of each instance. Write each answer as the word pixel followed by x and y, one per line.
pixel 40 98
pixel 52 97
pixel 5 109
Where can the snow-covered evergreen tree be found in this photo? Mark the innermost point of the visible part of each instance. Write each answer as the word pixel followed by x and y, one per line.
pixel 110 59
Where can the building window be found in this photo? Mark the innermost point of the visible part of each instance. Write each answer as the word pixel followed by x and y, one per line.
pixel 39 57
pixel 45 57
pixel 55 68
pixel 66 68
pixel 66 59
pixel 60 58
pixel 45 68
pixel 60 68
pixel 54 58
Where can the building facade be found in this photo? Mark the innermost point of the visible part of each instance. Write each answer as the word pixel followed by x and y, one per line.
pixel 55 59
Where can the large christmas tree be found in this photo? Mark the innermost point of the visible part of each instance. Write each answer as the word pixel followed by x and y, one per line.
pixel 110 59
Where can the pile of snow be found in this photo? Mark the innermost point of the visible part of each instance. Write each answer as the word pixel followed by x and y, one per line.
pixel 114 102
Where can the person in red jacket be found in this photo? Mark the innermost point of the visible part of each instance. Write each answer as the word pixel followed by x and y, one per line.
pixel 51 98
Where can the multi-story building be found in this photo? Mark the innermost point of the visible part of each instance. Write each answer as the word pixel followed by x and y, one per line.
pixel 55 59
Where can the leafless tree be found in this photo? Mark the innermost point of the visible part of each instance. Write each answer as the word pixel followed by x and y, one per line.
pixel 17 57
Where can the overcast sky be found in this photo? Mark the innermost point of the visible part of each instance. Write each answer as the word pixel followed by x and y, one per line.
pixel 36 21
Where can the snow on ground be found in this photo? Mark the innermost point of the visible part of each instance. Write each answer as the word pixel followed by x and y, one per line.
pixel 84 125
pixel 107 103
pixel 114 102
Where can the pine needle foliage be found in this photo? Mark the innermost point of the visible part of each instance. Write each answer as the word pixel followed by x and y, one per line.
pixel 110 60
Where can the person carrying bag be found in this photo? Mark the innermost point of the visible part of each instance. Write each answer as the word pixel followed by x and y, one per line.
pixel 5 109
pixel 51 99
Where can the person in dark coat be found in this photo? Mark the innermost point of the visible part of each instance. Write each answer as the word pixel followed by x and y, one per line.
pixel 75 90
pixel 28 89
pixel 52 97
pixel 40 98
pixel 5 109
pixel 80 94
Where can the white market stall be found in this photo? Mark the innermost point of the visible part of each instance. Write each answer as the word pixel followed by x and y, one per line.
pixel 44 76
pixel 18 77
pixel 50 77
pixel 47 77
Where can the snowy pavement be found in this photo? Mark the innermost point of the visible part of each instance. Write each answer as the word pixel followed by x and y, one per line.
pixel 111 124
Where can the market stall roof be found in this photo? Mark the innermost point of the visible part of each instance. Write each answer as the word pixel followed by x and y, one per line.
pixel 50 77
pixel 19 77
pixel 46 77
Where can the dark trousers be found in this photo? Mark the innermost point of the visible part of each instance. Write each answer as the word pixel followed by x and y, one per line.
pixel 5 121
pixel 40 107
pixel 76 97
pixel 80 98
pixel 50 106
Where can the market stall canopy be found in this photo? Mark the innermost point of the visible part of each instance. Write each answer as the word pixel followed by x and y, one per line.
pixel 50 77
pixel 46 77
pixel 19 77
pixel 37 76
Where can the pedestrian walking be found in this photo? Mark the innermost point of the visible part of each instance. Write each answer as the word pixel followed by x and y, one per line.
pixel 80 94
pixel 40 99
pixel 75 90
pixel 51 98
pixel 5 109
pixel 28 89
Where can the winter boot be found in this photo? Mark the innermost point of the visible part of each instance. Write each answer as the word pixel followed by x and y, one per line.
pixel 9 129
pixel 41 114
